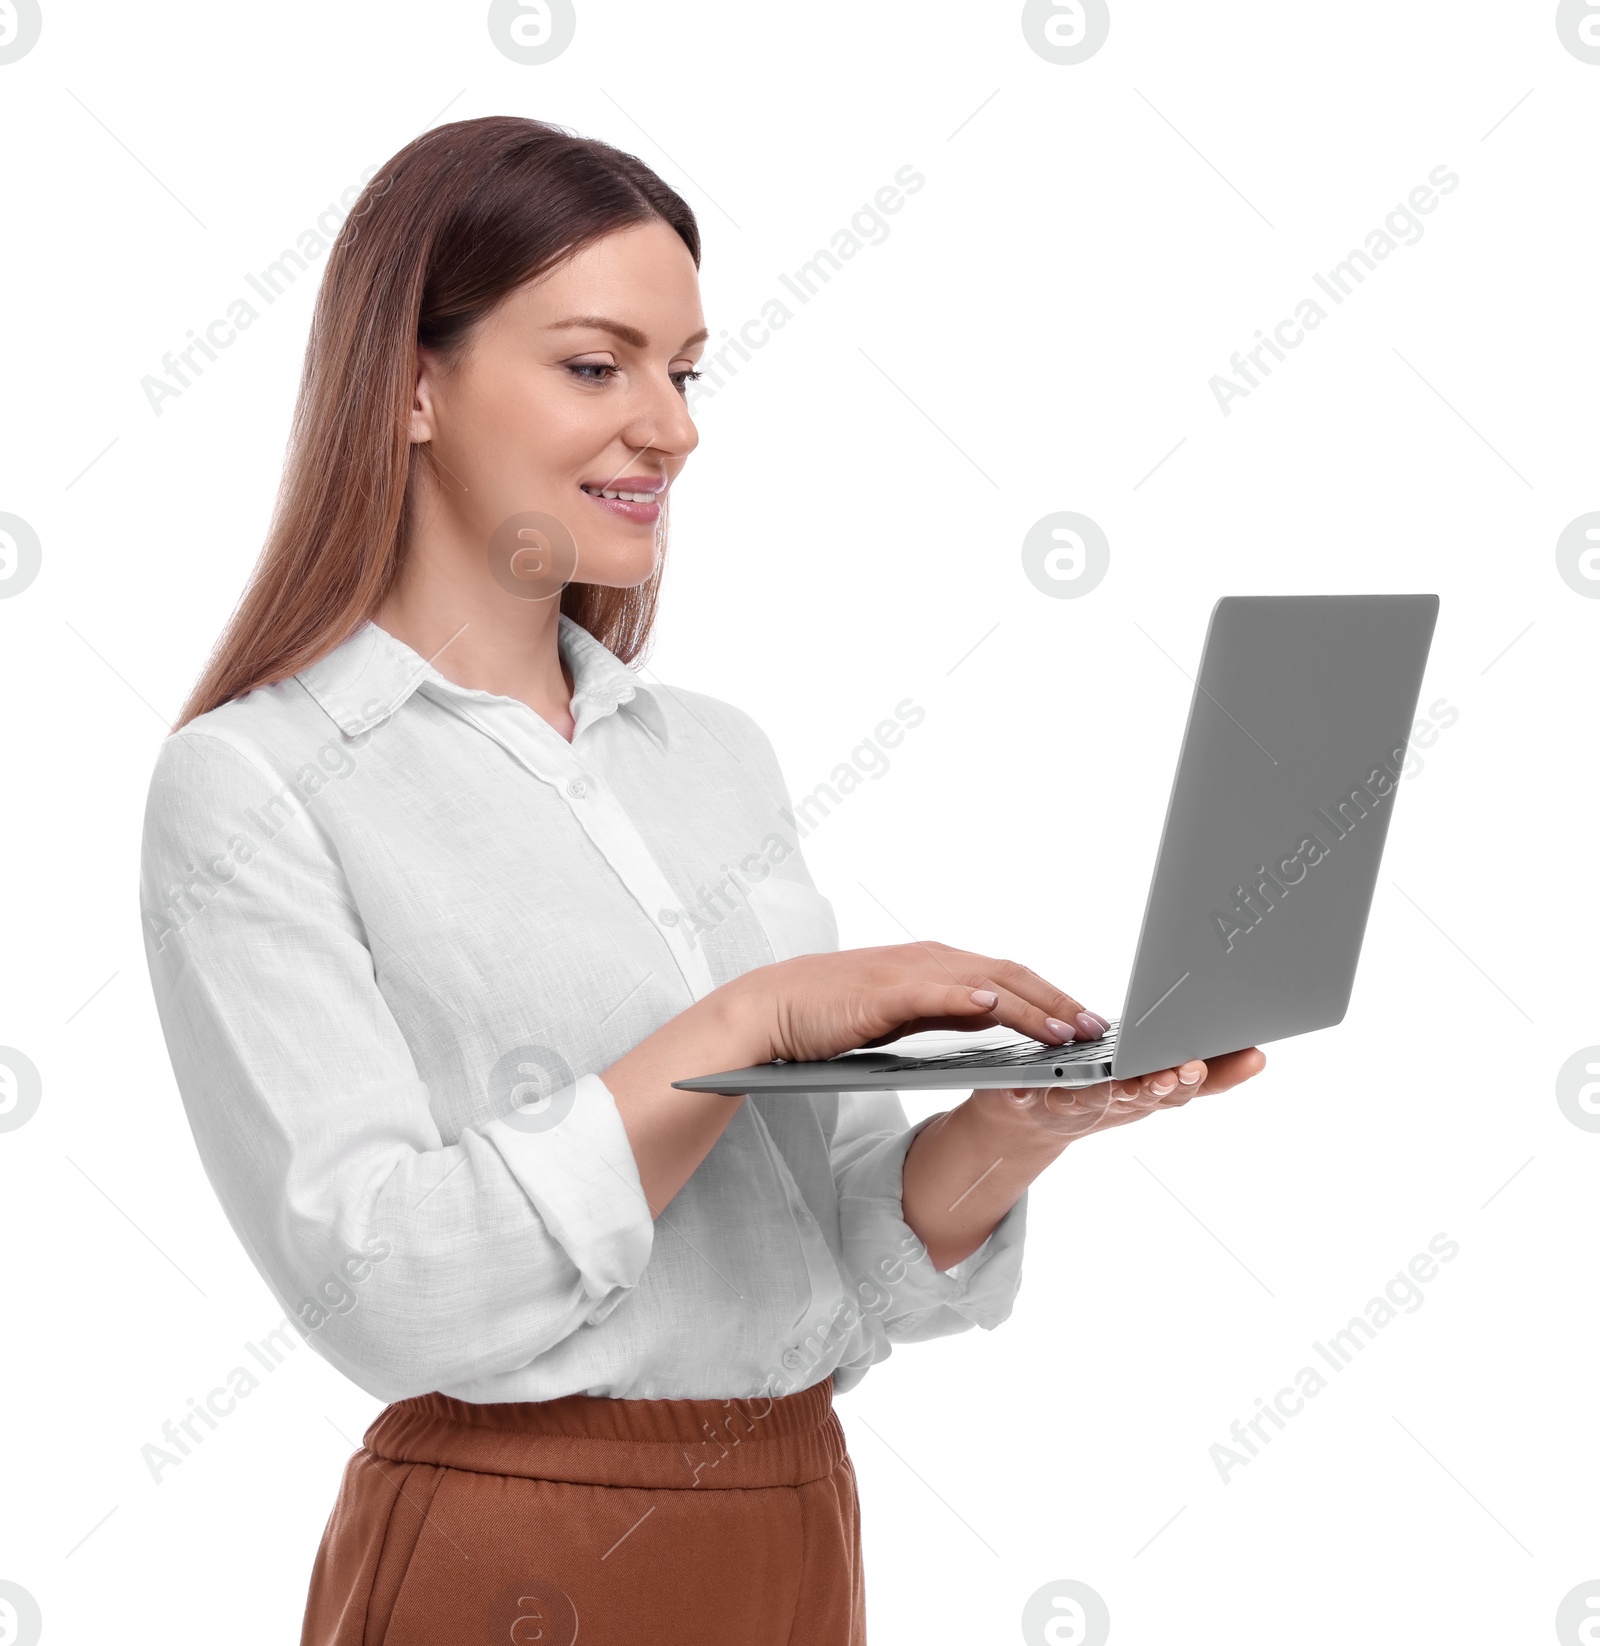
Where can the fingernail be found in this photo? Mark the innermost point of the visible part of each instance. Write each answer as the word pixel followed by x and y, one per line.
pixel 1091 1025
pixel 985 997
pixel 1062 1031
pixel 1161 1088
pixel 1189 1076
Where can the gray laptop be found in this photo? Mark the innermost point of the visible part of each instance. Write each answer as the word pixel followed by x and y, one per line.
pixel 1269 856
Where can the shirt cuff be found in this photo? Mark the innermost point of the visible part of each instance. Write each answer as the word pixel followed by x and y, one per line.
pixel 886 1259
pixel 571 1155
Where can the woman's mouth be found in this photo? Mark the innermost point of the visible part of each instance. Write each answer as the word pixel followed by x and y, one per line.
pixel 637 498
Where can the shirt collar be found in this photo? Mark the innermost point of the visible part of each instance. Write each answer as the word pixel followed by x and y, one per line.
pixel 364 681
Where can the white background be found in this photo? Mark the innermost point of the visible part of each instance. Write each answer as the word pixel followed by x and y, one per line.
pixel 1036 334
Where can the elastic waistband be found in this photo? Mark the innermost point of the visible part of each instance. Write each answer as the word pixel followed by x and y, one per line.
pixel 589 1440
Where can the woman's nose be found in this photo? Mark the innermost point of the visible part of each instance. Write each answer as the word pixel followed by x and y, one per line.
pixel 664 424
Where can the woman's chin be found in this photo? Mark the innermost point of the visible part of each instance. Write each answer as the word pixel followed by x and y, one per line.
pixel 617 565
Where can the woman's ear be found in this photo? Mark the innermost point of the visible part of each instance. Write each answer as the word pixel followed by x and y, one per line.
pixel 421 428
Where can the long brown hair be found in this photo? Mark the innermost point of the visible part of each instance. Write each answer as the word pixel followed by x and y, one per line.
pixel 451 225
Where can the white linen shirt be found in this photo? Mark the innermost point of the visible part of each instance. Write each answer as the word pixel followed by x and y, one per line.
pixel 395 926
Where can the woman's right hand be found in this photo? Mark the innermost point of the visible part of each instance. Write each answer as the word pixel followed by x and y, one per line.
pixel 819 1005
pixel 802 1010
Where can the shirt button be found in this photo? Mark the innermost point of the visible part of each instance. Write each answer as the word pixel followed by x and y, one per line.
pixel 577 788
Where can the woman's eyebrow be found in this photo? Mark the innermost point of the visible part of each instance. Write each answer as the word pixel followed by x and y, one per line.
pixel 630 335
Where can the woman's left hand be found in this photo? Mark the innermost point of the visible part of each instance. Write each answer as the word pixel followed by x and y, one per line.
pixel 1071 1112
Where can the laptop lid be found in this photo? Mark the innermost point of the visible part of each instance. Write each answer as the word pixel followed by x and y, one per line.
pixel 1269 856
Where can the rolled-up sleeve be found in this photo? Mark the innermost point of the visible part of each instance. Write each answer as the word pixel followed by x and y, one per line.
pixel 571 1175
pixel 883 1255
pixel 410 1263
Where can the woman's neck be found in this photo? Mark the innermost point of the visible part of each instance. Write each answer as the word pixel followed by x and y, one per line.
pixel 479 639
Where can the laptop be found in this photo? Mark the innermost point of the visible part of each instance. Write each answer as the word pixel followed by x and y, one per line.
pixel 1286 780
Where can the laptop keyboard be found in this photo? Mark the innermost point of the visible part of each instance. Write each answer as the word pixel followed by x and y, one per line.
pixel 1020 1052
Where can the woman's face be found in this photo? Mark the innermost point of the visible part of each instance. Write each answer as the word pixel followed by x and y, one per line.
pixel 572 387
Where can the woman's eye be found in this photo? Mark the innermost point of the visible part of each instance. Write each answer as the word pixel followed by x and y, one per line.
pixel 598 371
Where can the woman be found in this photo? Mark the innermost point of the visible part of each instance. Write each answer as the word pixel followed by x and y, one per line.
pixel 428 895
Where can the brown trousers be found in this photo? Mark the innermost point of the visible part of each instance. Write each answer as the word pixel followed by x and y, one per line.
pixel 540 1523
